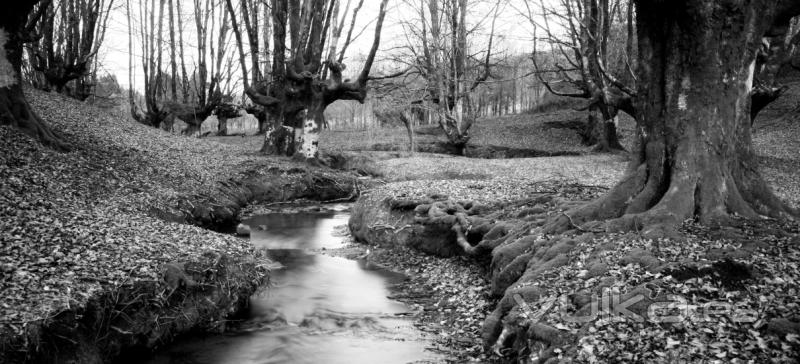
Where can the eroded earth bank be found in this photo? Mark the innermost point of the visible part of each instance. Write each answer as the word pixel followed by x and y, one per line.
pixel 515 294
pixel 112 250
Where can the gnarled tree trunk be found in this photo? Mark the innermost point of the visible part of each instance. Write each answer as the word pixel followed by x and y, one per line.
pixel 14 109
pixel 296 98
pixel 601 129
pixel 222 127
pixel 695 158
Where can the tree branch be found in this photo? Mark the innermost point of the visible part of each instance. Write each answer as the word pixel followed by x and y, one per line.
pixel 362 78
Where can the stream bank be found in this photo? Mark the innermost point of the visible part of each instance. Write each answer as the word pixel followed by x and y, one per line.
pixel 105 250
pixel 319 307
pixel 456 290
pixel 591 295
pixel 473 151
pixel 219 208
pixel 128 319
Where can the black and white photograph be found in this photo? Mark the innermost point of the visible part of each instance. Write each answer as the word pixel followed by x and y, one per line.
pixel 399 181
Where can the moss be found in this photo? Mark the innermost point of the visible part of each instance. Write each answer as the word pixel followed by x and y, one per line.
pixel 504 254
pixel 536 210
pixel 537 267
pixel 562 247
pixel 509 274
pixel 407 204
pixel 422 208
pixel 479 209
pixel 498 230
pixel 641 257
pixel 596 269
pixel 493 325
pixel 584 238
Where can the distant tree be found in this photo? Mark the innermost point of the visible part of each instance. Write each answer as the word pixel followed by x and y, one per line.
pixel 582 54
pixel 778 51
pixel 302 86
pixel 151 34
pixel 439 43
pixel 694 158
pixel 201 93
pixel 14 109
pixel 69 33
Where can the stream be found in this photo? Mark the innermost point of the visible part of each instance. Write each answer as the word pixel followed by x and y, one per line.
pixel 317 309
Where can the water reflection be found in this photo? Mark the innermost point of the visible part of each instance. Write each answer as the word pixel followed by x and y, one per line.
pixel 319 309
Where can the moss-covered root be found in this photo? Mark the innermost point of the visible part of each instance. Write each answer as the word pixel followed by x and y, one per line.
pixel 518 273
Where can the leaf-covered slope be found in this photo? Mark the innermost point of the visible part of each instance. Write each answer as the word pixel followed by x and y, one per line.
pixel 77 223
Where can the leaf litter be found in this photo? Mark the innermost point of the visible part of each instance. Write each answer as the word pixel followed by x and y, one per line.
pixel 77 224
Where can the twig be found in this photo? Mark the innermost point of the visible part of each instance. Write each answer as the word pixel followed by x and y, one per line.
pixel 573 224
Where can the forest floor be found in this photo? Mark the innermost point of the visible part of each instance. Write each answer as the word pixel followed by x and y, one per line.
pixel 79 223
pixel 458 295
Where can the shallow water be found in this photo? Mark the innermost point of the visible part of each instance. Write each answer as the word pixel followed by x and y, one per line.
pixel 318 309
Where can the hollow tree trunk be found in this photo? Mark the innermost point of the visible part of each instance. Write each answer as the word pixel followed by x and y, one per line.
pixel 14 109
pixel 695 158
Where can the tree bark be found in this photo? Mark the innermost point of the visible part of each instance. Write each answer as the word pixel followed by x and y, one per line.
pixel 173 84
pixel 278 139
pixel 296 98
pixel 601 129
pixel 222 127
pixel 589 24
pixel 308 145
pixel 695 158
pixel 184 76
pixel 14 109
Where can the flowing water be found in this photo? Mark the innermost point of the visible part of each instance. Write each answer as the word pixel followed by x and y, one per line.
pixel 318 309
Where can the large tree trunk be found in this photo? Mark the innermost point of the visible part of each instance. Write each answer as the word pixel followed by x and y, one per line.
pixel 277 138
pixel 601 130
pixel 307 144
pixel 222 126
pixel 695 158
pixel 14 109
pixel 408 121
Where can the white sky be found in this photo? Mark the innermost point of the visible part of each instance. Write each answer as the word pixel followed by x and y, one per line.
pixel 513 33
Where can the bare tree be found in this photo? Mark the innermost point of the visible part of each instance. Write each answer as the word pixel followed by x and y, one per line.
pixel 150 30
pixel 68 36
pixel 302 86
pixel 694 158
pixel 172 55
pixel 14 109
pixel 131 85
pixel 581 58
pixel 444 62
pixel 778 51
pixel 181 55
pixel 202 93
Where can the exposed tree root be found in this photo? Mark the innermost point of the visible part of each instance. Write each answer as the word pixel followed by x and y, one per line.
pixel 464 220
pixel 15 111
pixel 640 202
